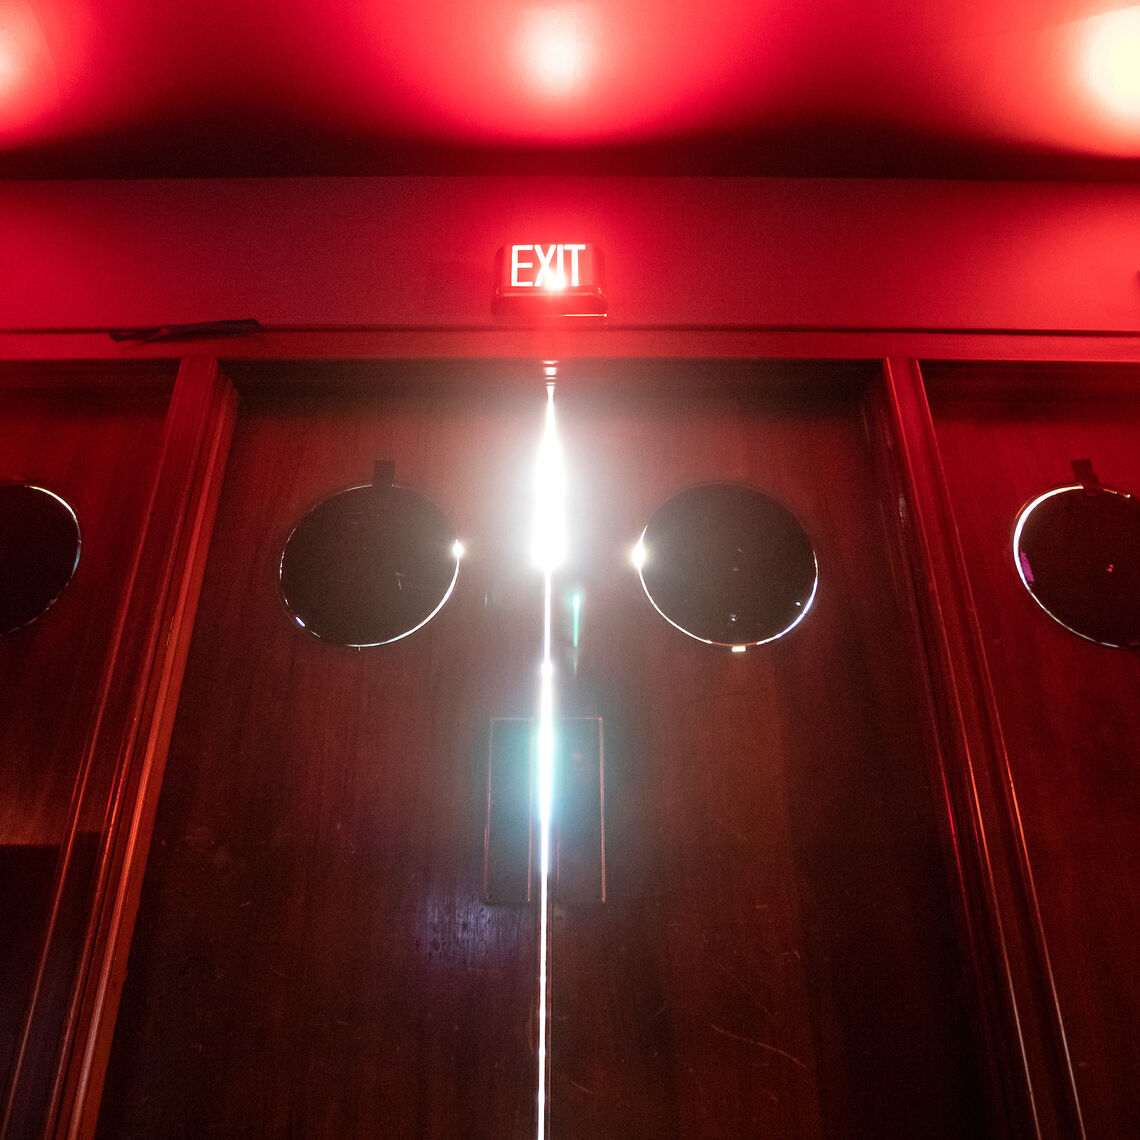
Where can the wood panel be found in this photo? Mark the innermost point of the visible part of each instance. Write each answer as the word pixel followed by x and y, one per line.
pixel 481 350
pixel 1073 738
pixel 1070 718
pixel 777 953
pixel 312 955
pixel 93 436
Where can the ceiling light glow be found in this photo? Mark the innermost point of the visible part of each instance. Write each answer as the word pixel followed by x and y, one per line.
pixel 15 30
pixel 8 69
pixel 1113 60
pixel 549 542
pixel 557 47
pixel 29 94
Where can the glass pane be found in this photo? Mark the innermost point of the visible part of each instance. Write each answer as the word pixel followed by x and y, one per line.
pixel 39 550
pixel 1078 553
pixel 728 565
pixel 369 565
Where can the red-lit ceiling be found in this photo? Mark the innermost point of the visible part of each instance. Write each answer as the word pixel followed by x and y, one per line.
pixel 989 88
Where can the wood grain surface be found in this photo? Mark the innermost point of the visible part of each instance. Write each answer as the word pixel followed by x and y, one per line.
pixel 313 956
pixel 1069 709
pixel 93 438
pixel 776 955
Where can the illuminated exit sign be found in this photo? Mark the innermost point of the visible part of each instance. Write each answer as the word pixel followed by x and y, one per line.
pixel 549 279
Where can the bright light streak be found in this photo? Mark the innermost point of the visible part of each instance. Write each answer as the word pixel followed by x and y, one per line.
pixel 457 550
pixel 545 805
pixel 1113 59
pixel 557 46
pixel 550 493
pixel 637 555
pixel 549 549
pixel 576 618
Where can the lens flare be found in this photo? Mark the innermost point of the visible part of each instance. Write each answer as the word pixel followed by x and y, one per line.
pixel 550 489
pixel 1113 60
pixel 549 551
pixel 29 94
pixel 557 47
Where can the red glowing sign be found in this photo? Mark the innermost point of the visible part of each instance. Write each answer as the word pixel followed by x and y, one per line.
pixel 561 279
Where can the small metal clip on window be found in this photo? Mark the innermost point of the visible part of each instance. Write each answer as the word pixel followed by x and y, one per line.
pixel 1083 470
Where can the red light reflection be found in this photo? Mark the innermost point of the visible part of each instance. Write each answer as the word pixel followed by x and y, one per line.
pixel 566 72
pixel 557 47
pixel 527 70
pixel 28 90
pixel 1114 60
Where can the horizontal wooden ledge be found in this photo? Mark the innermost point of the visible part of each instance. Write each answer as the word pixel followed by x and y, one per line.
pixel 609 342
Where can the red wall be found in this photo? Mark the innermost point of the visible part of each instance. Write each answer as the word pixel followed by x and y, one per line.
pixel 419 251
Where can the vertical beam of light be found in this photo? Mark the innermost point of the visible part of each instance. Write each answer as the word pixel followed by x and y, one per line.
pixel 576 618
pixel 549 549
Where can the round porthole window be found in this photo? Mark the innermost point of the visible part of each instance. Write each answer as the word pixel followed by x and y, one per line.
pixel 1078 553
pixel 728 565
pixel 39 551
pixel 369 565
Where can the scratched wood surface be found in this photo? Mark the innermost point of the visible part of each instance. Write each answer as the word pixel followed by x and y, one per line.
pixel 96 446
pixel 1069 709
pixel 312 955
pixel 776 955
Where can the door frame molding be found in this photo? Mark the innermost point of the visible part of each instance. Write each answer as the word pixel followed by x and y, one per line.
pixel 1020 1028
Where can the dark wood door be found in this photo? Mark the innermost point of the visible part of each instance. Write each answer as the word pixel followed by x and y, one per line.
pixel 91 436
pixel 1068 708
pixel 312 956
pixel 776 956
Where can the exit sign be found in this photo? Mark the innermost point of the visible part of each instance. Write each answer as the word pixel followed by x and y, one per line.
pixel 549 279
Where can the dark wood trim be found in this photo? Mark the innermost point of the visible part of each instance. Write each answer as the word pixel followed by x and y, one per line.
pixel 610 342
pixel 1019 1017
pixel 1020 1025
pixel 136 711
pixel 911 566
pixel 199 428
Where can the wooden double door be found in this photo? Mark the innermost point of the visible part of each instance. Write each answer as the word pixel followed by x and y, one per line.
pixel 778 951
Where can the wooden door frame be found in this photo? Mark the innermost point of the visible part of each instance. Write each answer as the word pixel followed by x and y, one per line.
pixel 129 731
pixel 1021 1035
